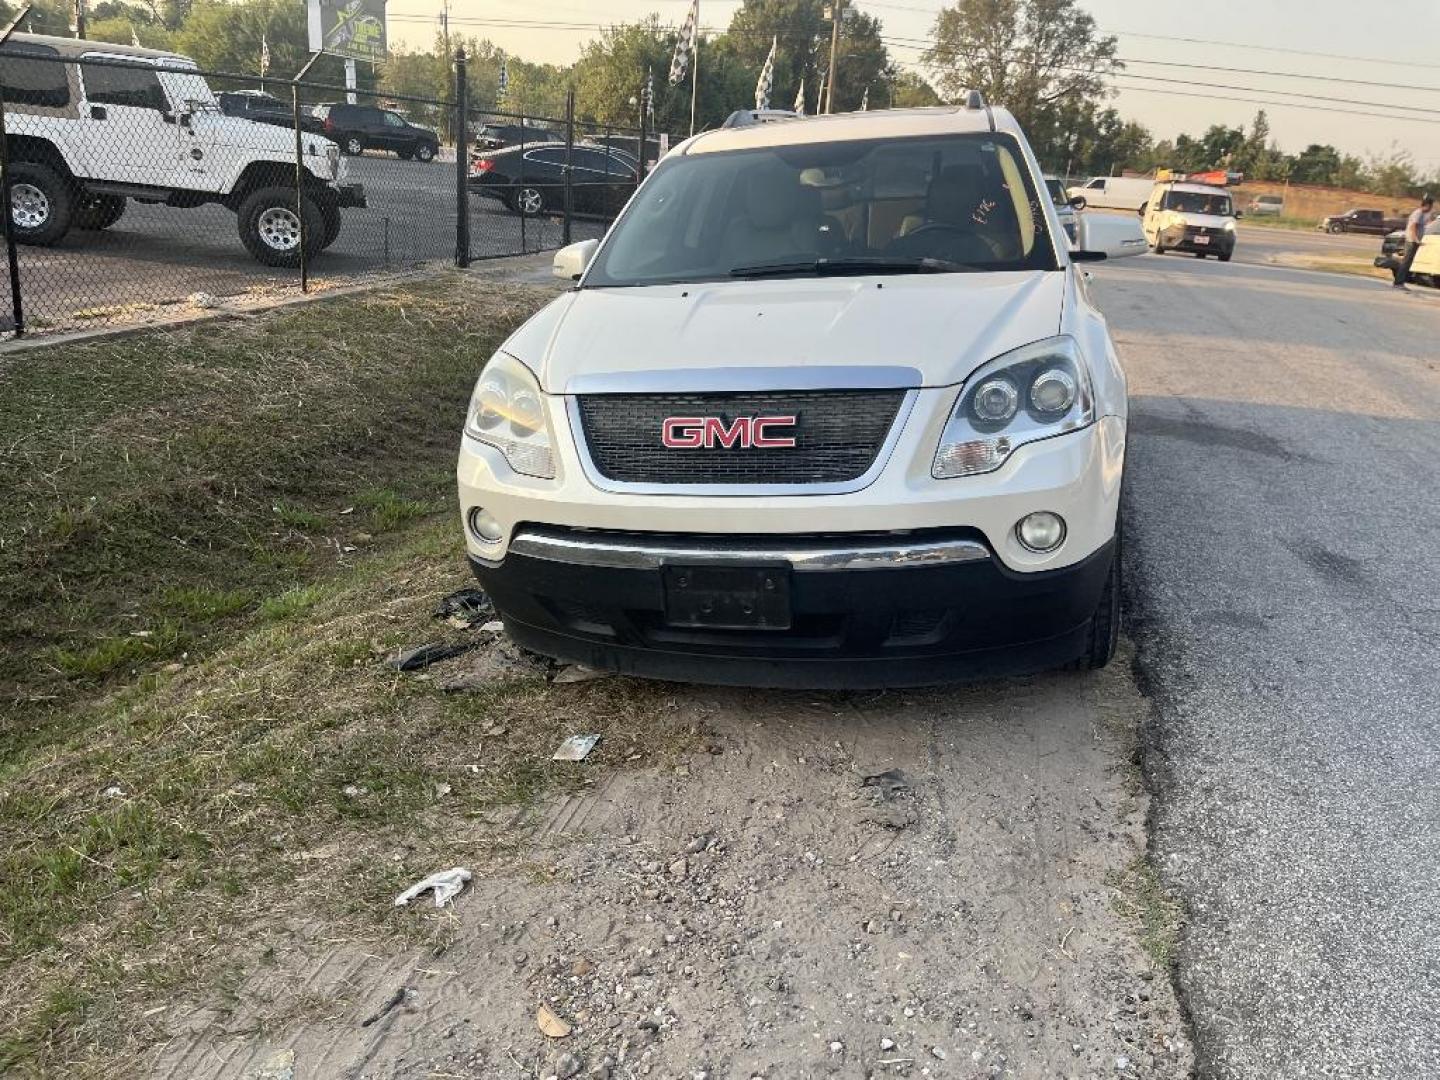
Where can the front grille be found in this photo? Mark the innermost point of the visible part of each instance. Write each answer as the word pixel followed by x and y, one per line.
pixel 838 434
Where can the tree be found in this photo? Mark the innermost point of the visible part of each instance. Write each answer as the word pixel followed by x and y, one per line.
pixel 1316 164
pixel 612 70
pixel 1038 58
pixel 907 91
pixel 803 52
pixel 1393 173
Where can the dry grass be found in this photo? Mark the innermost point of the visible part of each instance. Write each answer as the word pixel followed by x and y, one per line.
pixel 208 543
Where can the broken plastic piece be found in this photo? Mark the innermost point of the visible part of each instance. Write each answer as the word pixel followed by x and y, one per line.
pixel 447 885
pixel 576 748
pixel 469 606
pixel 424 655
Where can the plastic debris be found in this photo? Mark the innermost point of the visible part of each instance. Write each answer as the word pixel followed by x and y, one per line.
pixel 446 884
pixel 278 1066
pixel 423 656
pixel 550 1025
pixel 578 673
pixel 576 748
pixel 891 782
pixel 465 607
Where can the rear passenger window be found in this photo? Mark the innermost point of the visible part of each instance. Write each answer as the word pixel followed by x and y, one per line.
pixel 33 82
pixel 123 84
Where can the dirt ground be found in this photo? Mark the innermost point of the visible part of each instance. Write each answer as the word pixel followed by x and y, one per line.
pixel 977 907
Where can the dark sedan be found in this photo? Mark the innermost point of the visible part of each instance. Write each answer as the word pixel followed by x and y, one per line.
pixel 531 179
pixel 264 109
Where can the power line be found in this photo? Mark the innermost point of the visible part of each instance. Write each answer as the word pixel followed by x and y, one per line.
pixel 1285 75
pixel 1271 104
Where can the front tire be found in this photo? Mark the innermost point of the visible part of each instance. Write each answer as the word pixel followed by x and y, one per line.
pixel 353 145
pixel 1104 636
pixel 270 228
pixel 425 152
pixel 1225 256
pixel 330 216
pixel 1335 227
pixel 98 211
pixel 41 204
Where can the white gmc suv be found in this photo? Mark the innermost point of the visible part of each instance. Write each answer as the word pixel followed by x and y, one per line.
pixel 828 406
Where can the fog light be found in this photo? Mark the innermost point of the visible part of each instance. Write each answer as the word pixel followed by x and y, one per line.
pixel 1041 531
pixel 483 524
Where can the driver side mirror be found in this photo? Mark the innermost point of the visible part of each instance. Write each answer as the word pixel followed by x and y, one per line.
pixel 1239 213
pixel 1077 201
pixel 570 262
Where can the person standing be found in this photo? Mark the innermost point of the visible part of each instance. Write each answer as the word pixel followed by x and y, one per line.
pixel 1414 233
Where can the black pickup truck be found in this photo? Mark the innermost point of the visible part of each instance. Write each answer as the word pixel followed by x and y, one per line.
pixel 1362 221
pixel 254 105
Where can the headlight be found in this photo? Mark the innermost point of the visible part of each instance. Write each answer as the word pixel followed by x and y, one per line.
pixel 508 413
pixel 1229 224
pixel 1030 394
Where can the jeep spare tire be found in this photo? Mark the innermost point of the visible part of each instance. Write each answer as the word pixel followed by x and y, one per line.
pixel 41 203
pixel 270 228
pixel 98 211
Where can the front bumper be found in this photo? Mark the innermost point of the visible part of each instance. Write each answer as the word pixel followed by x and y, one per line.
pixel 865 611
pixel 1217 243
pixel 350 195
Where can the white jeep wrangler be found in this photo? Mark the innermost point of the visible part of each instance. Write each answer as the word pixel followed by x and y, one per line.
pixel 92 124
pixel 829 405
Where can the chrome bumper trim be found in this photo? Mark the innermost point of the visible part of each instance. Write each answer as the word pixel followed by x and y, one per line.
pixel 818 556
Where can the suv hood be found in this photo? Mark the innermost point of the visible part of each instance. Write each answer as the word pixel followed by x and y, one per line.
pixel 941 326
pixel 246 134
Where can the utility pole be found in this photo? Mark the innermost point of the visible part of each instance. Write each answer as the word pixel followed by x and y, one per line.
pixel 837 12
pixel 78 19
pixel 445 27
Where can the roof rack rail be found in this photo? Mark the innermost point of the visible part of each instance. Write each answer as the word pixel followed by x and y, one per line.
pixel 975 101
pixel 751 117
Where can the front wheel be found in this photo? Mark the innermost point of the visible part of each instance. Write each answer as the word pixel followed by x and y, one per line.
pixel 40 204
pixel 1335 227
pixel 1104 636
pixel 270 226
pixel 353 145
pixel 529 201
pixel 1225 256
pixel 425 152
pixel 99 211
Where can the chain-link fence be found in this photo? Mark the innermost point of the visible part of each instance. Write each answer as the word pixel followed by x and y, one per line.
pixel 139 184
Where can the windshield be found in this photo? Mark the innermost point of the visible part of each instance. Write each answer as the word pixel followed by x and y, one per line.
pixel 1198 202
pixel 964 202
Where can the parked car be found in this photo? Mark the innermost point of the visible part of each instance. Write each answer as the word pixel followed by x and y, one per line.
pixel 531 179
pixel 1361 221
pixel 1190 217
pixel 358 128
pixel 267 109
pixel 828 405
pixel 1266 205
pixel 86 137
pixel 498 136
pixel 1116 192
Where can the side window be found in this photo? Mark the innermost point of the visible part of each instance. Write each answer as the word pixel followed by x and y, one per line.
pixel 395 120
pixel 126 84
pixel 33 82
pixel 547 157
pixel 1098 184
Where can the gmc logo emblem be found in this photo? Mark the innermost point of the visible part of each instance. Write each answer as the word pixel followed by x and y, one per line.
pixel 708 432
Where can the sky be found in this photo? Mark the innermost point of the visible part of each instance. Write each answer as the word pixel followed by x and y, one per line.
pixel 1303 37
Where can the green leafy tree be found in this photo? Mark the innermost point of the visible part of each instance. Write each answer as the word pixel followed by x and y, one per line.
pixel 1393 174
pixel 1316 164
pixel 1041 59
pixel 803 51
pixel 907 90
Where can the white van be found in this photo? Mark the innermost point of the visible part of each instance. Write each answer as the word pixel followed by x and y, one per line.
pixel 1116 192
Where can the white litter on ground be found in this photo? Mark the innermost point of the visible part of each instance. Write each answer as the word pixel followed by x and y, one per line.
pixel 447 885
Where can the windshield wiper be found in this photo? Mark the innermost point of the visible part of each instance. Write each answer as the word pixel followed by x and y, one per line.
pixel 877 264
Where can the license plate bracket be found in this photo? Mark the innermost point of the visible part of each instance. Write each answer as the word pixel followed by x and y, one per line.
pixel 727 597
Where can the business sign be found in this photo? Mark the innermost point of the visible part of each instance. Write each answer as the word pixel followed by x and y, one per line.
pixel 352 28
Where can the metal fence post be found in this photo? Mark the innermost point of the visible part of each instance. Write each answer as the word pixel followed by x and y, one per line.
pixel 462 163
pixel 524 247
pixel 17 305
pixel 569 163
pixel 300 171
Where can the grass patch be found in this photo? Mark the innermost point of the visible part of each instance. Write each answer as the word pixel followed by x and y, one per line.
pixel 1280 222
pixel 1140 898
pixel 199 742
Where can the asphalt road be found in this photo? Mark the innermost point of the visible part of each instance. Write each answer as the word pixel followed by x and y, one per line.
pixel 161 254
pixel 1281 515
